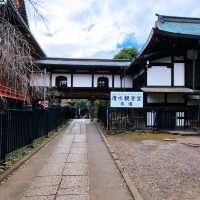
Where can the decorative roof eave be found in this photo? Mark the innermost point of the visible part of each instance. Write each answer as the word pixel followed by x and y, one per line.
pixel 175 35
pixel 177 19
pixel 144 48
pixel 156 32
pixel 72 63
pixel 25 29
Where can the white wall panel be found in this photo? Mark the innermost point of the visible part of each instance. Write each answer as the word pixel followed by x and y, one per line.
pixel 179 74
pixel 82 80
pixel 117 81
pixel 127 82
pixel 159 76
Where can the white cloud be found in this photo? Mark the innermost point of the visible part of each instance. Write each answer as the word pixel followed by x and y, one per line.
pixel 86 27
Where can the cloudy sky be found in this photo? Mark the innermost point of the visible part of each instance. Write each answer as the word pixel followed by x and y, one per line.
pixel 99 28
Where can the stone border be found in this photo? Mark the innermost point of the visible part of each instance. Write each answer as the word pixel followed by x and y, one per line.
pixel 26 158
pixel 131 186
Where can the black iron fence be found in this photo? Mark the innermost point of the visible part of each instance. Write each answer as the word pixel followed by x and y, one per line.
pixel 157 118
pixel 19 128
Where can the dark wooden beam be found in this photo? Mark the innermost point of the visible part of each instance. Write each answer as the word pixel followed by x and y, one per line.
pixel 72 80
pixel 92 80
pixel 172 72
pixel 113 80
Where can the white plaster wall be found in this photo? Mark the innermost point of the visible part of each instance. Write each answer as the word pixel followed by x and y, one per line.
pixel 68 76
pixel 127 82
pixel 155 98
pixel 103 75
pixel 82 80
pixel 40 80
pixel 175 98
pixel 179 74
pixel 159 76
pixel 163 60
pixel 117 81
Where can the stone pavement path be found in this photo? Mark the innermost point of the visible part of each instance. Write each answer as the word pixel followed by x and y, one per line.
pixel 78 168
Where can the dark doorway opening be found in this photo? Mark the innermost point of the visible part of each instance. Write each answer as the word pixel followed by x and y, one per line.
pixel 61 82
pixel 103 83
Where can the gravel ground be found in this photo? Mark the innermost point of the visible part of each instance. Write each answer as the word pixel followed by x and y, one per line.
pixel 161 170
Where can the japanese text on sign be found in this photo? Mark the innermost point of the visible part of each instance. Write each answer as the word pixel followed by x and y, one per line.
pixel 126 99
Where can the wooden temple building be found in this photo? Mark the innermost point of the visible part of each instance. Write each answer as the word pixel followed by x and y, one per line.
pixel 14 12
pixel 167 69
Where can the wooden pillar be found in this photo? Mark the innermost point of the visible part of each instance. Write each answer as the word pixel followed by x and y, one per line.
pixel 193 75
pixel 50 79
pixel 113 81
pixel 92 79
pixel 165 98
pixel 72 79
pixel 121 81
pixel 172 71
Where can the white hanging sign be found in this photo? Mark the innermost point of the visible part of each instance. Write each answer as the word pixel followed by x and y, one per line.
pixel 126 100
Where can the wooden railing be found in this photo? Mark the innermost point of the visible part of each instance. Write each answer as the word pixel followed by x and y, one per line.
pixel 11 93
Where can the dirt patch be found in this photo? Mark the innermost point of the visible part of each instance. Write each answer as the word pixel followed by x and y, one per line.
pixel 160 166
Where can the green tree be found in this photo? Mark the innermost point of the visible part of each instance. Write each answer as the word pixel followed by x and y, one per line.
pixel 126 53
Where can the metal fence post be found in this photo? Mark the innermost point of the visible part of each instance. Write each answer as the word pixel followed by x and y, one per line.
pixel 107 116
pixel 3 133
pixel 47 123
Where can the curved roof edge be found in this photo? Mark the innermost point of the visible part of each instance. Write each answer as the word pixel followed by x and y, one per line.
pixel 180 21
pixel 24 25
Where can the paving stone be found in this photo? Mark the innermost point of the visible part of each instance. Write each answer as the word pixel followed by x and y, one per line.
pixel 52 170
pixel 57 158
pixel 39 198
pixel 73 197
pixel 76 169
pixel 62 150
pixel 41 191
pixel 78 150
pixel 80 138
pixel 46 181
pixel 74 185
pixel 79 145
pixel 80 158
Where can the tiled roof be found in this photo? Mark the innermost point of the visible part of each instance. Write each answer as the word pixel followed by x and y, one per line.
pixel 179 25
pixel 84 62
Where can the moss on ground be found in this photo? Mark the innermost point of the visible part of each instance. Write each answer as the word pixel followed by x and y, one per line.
pixel 14 157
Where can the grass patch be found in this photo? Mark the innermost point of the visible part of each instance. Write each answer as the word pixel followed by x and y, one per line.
pixel 14 157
